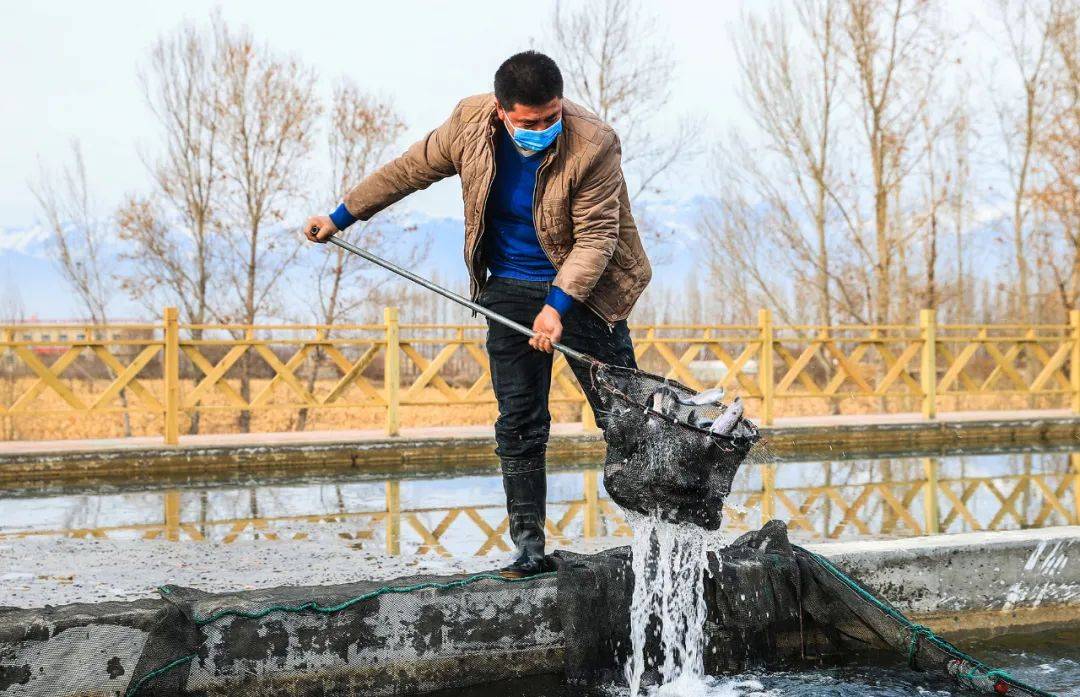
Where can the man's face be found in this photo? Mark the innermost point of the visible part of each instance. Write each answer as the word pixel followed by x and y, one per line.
pixel 531 118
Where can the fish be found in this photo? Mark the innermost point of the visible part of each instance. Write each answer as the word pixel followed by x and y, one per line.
pixel 667 392
pixel 727 421
pixel 713 396
pixel 663 400
pixel 693 420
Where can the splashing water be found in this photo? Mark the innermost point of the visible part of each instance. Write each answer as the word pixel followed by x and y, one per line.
pixel 669 563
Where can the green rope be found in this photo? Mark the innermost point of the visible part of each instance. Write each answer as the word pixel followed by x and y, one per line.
pixel 133 689
pixel 919 631
pixel 316 607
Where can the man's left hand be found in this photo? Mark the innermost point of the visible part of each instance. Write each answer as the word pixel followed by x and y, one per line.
pixel 548 328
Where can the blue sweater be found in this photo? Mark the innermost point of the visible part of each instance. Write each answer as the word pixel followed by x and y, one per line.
pixel 511 248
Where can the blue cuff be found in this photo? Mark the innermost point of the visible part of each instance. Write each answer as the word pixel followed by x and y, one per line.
pixel 559 300
pixel 342 217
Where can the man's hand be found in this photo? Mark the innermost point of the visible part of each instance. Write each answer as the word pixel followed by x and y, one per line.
pixel 319 228
pixel 548 328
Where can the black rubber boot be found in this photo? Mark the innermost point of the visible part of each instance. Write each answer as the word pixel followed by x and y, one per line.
pixel 525 483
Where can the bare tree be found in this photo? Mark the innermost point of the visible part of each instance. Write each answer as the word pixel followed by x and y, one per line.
pixel 739 258
pixel 937 184
pixel 267 111
pixel 78 234
pixel 79 241
pixel 362 129
pixel 790 87
pixel 1027 28
pixel 618 67
pixel 895 48
pixel 171 235
pixel 959 201
pixel 1057 193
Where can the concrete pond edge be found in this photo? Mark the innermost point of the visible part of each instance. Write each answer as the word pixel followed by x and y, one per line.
pixel 961 583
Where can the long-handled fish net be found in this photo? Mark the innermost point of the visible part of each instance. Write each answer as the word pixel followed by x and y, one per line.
pixel 671 451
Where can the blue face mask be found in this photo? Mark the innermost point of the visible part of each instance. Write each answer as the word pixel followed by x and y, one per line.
pixel 535 140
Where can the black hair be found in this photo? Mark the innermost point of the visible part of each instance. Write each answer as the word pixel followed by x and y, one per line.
pixel 528 78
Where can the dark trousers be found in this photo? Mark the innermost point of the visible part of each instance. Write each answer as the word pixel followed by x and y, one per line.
pixel 521 375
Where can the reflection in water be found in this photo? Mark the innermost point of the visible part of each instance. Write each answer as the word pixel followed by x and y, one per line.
pixel 466 516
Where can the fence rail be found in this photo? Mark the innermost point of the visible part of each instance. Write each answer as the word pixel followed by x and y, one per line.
pixel 170 371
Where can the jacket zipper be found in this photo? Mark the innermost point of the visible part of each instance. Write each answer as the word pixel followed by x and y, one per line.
pixel 536 188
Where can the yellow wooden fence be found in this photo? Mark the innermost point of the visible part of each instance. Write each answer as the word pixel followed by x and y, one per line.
pixel 169 370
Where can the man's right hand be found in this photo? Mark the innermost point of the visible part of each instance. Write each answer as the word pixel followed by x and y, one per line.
pixel 319 228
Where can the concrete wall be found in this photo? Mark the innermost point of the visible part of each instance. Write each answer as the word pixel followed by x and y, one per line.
pixel 973 581
pixel 30 464
pixel 397 643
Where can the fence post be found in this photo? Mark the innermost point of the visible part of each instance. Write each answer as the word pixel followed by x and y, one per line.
pixel 768 492
pixel 1074 470
pixel 171 370
pixel 393 517
pixel 172 515
pixel 588 418
pixel 8 421
pixel 930 496
pixel 592 503
pixel 928 367
pixel 392 370
pixel 1074 363
pixel 765 366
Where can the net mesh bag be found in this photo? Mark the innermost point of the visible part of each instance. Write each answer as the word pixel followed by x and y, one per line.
pixel 91 648
pixel 857 617
pixel 659 459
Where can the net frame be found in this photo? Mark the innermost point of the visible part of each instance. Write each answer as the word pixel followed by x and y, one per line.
pixel 604 381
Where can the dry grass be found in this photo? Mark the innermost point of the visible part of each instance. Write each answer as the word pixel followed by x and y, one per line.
pixel 53 419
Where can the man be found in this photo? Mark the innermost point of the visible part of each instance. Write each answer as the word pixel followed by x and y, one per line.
pixel 549 242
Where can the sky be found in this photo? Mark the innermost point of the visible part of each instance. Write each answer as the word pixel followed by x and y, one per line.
pixel 76 70
pixel 80 61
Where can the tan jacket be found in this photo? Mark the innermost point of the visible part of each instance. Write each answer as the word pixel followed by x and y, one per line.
pixel 581 210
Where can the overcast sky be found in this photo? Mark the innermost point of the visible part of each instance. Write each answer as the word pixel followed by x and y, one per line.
pixel 70 72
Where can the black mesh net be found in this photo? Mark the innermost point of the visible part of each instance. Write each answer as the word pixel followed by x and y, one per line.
pixel 668 455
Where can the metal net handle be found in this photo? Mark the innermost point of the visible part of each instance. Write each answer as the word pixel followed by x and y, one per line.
pixel 460 299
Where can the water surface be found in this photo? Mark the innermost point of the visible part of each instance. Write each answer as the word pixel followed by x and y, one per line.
pixel 1050 661
pixel 464 515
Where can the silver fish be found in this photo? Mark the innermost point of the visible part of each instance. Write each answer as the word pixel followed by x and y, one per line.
pixel 727 421
pixel 663 400
pixel 713 396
